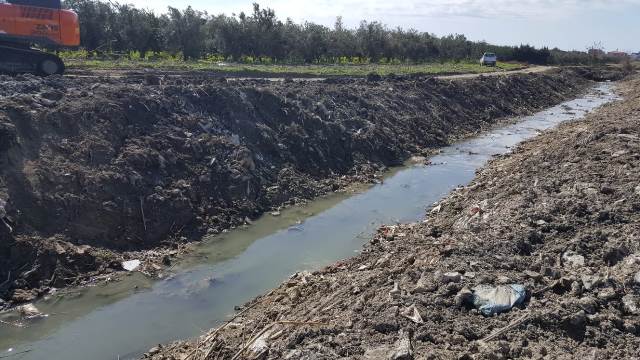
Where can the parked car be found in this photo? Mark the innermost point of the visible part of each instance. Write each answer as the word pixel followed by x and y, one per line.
pixel 489 59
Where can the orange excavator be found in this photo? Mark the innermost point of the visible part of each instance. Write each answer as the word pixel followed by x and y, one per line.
pixel 24 23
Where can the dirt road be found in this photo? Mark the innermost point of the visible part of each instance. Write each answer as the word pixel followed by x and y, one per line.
pixel 559 217
pixel 137 74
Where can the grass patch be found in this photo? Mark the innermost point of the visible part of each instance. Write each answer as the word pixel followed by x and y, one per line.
pixel 301 70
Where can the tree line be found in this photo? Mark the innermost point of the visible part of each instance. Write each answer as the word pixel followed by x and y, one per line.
pixel 260 36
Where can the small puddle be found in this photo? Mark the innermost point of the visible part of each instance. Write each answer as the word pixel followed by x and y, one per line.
pixel 122 320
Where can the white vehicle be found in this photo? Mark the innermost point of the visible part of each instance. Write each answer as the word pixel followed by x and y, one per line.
pixel 489 59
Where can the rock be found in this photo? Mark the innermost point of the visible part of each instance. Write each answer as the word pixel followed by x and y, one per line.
pixel 403 348
pixel 154 350
pixel 631 304
pixel 607 294
pixel 636 278
pixel 572 259
pixel 590 281
pixel 637 190
pixel 533 275
pixel 3 212
pixel 131 265
pixel 589 305
pixel 413 314
pixel 578 320
pixel 492 300
pixel 395 292
pixel 423 286
pixel 449 277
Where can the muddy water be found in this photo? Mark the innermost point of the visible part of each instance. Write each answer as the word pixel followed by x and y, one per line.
pixel 121 320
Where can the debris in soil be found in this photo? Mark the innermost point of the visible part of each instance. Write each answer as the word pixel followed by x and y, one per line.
pixel 369 304
pixel 131 265
pixel 98 171
pixel 492 300
pixel 29 311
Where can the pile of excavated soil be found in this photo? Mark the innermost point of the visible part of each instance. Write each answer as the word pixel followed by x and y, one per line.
pixel 94 168
pixel 560 216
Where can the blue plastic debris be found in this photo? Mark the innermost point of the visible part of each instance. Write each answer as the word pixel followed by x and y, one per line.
pixel 492 300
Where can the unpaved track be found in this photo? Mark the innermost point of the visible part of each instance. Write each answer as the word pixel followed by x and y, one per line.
pixel 560 215
pixel 137 73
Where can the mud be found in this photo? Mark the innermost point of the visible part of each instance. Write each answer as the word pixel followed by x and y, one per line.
pixel 94 171
pixel 559 216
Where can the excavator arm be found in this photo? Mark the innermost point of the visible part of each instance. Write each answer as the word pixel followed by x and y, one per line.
pixel 24 23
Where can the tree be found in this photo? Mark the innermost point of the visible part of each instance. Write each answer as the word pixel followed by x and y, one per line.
pixel 184 31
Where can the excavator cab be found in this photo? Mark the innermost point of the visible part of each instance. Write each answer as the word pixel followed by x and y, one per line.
pixel 24 23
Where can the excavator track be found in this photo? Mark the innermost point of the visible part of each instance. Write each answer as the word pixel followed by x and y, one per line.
pixel 17 59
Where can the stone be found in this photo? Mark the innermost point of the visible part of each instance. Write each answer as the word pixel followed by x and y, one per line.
pixel 413 314
pixel 590 281
pixel 636 278
pixel 589 305
pixel 631 304
pixel 572 259
pixel 403 348
pixel 533 275
pixel 449 277
pixel 395 292
pixel 607 294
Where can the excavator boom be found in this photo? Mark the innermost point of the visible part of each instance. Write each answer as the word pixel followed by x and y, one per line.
pixel 41 22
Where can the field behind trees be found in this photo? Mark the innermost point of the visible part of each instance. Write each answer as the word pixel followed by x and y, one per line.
pixel 112 31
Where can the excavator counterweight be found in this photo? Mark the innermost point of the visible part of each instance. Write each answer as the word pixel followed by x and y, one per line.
pixel 24 23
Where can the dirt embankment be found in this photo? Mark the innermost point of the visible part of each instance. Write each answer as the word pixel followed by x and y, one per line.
pixel 92 168
pixel 559 216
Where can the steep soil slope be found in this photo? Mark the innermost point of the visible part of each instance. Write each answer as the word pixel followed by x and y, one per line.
pixel 560 216
pixel 93 168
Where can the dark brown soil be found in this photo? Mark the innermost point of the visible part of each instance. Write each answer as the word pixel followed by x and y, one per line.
pixel 529 217
pixel 93 169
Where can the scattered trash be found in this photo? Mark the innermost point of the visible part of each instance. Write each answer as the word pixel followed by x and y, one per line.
pixel 492 300
pixel 464 296
pixel 29 312
pixel 275 213
pixel 131 265
pixel 260 345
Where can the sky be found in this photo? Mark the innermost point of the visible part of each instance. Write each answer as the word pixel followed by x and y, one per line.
pixel 566 24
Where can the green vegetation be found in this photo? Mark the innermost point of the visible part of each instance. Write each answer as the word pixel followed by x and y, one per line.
pixel 300 70
pixel 260 37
